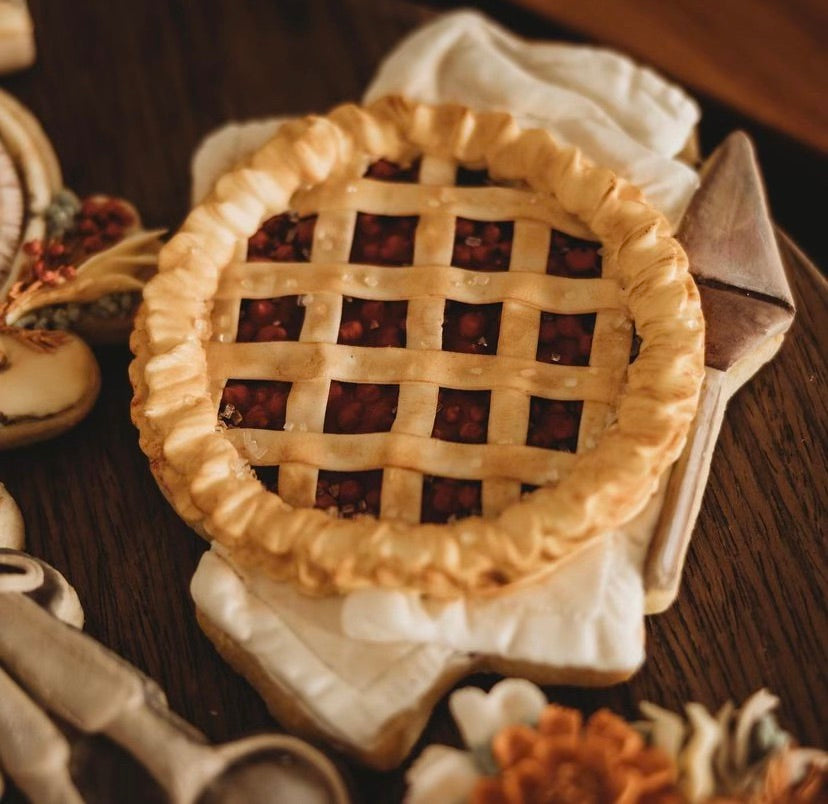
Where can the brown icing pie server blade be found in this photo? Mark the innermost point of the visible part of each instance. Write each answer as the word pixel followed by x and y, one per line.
pixel 735 259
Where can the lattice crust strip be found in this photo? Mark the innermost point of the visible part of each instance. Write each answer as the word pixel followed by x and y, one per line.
pixel 402 486
pixel 505 464
pixel 393 365
pixel 554 293
pixel 333 234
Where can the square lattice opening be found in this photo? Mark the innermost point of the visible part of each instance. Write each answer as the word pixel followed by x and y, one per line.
pixel 572 257
pixel 276 319
pixel 384 239
pixel 446 498
pixel 349 493
pixel 482 245
pixel 471 328
pixel 554 424
pixel 565 339
pixel 462 416
pixel 283 238
pixel 384 170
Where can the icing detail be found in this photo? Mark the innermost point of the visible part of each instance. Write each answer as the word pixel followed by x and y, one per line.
pixel 92 250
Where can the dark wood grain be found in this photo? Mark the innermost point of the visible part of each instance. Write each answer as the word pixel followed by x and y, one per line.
pixel 125 90
pixel 751 54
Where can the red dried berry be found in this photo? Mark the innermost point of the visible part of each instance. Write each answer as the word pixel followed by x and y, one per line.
pixel 261 311
pixel 569 325
pixel 389 335
pixel 442 498
pixel 256 417
pixel 350 331
pixel 349 417
pixel 271 332
pixel 471 325
pixel 471 432
pixel 580 260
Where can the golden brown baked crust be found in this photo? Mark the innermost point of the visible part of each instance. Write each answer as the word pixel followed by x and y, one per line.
pixel 180 359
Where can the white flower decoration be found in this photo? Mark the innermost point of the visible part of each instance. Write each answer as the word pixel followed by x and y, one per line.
pixel 448 775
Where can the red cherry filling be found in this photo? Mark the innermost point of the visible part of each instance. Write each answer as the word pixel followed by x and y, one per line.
pixel 471 328
pixel 482 245
pixel 259 404
pixel 384 170
pixel 349 493
pixel 462 416
pixel 554 424
pixel 573 257
pixel 383 239
pixel 445 499
pixel 565 339
pixel 361 407
pixel 366 322
pixel 283 238
pixel 278 319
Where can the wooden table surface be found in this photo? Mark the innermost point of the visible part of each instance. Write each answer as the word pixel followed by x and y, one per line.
pixel 125 90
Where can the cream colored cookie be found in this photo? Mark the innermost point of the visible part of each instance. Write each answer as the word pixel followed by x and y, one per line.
pixel 48 383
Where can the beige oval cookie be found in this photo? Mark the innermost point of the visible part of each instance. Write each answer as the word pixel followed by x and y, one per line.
pixel 46 387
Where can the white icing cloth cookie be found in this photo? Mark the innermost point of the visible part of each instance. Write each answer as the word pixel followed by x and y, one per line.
pixel 361 662
pixel 621 115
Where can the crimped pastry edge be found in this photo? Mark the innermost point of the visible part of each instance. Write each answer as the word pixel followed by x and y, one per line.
pixel 212 487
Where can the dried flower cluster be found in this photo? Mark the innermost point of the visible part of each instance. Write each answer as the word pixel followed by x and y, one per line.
pixel 565 760
pixel 523 751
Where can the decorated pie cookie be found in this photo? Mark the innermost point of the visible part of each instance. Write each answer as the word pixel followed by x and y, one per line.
pixel 65 264
pixel 417 347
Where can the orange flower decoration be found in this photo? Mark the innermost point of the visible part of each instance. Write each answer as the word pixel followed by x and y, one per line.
pixel 563 760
